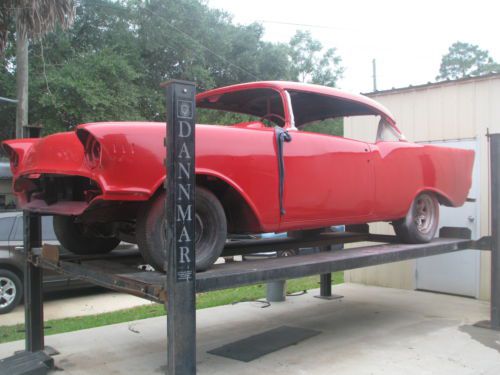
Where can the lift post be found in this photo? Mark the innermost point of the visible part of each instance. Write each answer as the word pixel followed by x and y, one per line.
pixel 33 281
pixel 495 230
pixel 180 229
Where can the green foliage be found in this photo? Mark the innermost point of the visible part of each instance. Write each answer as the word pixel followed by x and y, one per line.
pixel 90 87
pixel 330 126
pixel 310 65
pixel 33 18
pixel 464 59
pixel 109 64
pixel 8 90
pixel 216 117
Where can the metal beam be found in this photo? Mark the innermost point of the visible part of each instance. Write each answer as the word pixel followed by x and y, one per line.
pixel 495 230
pixel 180 228
pixel 33 281
pixel 222 276
pixel 120 272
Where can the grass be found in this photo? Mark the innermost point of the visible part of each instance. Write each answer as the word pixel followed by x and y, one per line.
pixel 203 301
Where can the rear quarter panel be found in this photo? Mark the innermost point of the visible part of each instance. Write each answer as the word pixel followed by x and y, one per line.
pixel 404 169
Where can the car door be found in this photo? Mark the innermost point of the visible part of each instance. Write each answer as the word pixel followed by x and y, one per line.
pixel 328 180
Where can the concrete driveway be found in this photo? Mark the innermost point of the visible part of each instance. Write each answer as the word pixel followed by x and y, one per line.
pixel 78 302
pixel 371 331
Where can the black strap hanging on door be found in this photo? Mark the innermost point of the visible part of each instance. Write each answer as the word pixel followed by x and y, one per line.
pixel 282 136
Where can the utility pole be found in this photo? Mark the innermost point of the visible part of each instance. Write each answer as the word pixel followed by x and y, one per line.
pixel 22 82
pixel 374 72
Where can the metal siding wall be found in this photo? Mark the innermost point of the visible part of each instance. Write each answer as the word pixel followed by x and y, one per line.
pixel 453 110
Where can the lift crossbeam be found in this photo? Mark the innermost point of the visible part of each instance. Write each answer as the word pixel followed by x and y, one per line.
pixel 121 271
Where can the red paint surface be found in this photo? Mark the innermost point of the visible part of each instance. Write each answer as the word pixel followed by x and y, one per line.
pixel 329 180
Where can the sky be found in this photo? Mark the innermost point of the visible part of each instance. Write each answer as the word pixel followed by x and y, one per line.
pixel 406 38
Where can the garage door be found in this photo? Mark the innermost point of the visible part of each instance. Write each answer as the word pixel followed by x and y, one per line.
pixel 455 273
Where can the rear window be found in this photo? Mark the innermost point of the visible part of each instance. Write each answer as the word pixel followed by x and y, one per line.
pixel 6 224
pixel 47 229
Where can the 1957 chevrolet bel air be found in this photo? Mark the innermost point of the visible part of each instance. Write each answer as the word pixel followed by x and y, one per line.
pixel 104 181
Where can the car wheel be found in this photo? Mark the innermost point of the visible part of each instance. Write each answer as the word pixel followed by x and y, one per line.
pixel 421 221
pixel 211 230
pixel 80 239
pixel 11 291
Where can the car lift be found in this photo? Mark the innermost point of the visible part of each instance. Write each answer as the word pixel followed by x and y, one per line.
pixel 177 287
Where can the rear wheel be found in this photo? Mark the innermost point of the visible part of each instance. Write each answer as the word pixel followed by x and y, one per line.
pixel 210 224
pixel 421 221
pixel 81 238
pixel 11 291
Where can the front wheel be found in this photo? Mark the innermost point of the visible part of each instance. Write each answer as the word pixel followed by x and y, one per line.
pixel 210 226
pixel 11 291
pixel 421 221
pixel 82 239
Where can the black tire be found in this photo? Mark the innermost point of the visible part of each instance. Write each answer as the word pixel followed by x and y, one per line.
pixel 421 221
pixel 211 228
pixel 76 239
pixel 11 291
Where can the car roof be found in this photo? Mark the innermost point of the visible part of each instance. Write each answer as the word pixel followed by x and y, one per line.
pixel 10 214
pixel 306 88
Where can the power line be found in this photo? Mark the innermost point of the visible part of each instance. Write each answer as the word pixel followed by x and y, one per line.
pixel 2 99
pixel 302 25
pixel 187 36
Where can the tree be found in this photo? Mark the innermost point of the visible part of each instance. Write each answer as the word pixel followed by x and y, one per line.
pixel 309 64
pixel 33 19
pixel 464 59
pixel 108 65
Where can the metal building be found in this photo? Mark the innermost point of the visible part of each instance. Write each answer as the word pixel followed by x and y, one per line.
pixel 456 113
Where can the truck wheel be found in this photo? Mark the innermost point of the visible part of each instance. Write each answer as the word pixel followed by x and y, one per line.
pixel 211 230
pixel 421 221
pixel 80 239
pixel 11 291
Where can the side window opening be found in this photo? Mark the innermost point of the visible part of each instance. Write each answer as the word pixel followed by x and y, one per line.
pixel 386 133
pixel 6 224
pixel 47 229
pixel 333 126
pixel 370 129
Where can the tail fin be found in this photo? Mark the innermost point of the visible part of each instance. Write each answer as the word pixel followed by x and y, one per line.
pixel 16 149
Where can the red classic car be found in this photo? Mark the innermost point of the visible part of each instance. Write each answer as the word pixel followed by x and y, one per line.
pixel 104 181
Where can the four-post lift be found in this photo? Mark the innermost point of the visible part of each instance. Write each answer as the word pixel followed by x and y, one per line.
pixel 176 287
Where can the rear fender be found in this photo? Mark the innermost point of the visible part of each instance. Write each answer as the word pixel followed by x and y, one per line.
pixel 202 172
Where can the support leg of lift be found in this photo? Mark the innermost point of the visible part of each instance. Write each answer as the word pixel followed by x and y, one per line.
pixel 180 229
pixel 325 284
pixel 33 279
pixel 276 291
pixel 494 322
pixel 34 359
pixel 495 231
